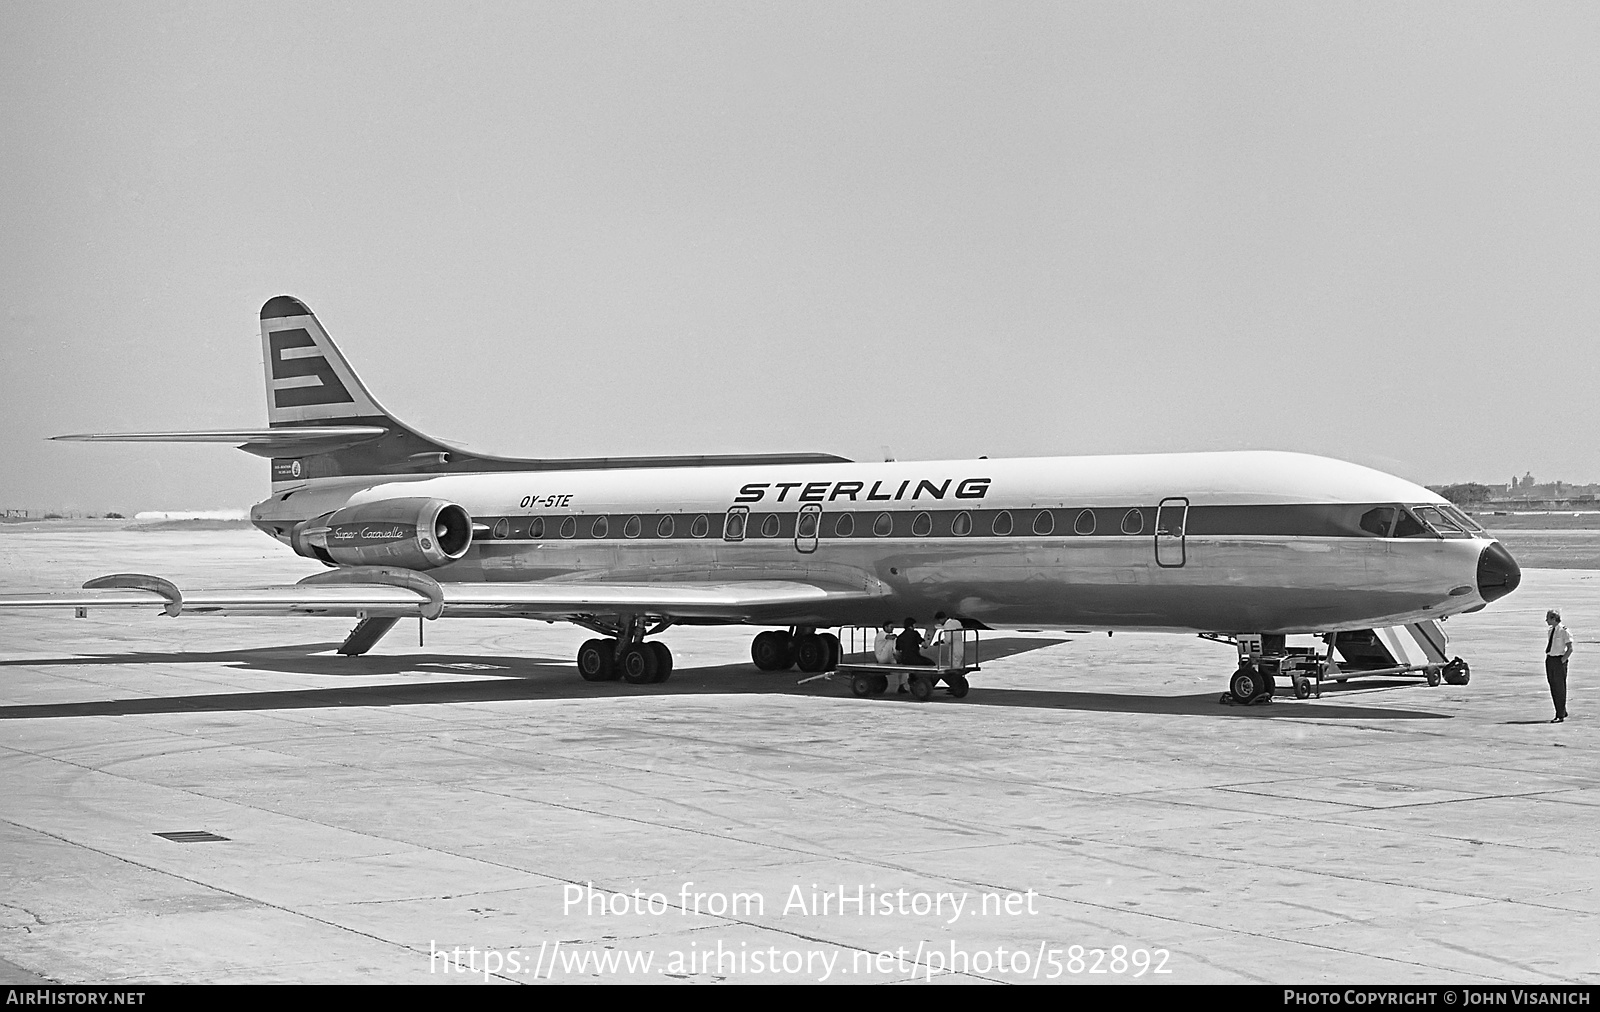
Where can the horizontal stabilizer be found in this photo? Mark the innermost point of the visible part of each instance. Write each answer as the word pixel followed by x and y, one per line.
pixel 295 441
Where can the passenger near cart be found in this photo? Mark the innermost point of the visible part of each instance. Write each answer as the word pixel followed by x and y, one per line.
pixel 953 657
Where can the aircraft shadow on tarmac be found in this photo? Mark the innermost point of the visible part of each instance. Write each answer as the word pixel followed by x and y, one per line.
pixel 510 678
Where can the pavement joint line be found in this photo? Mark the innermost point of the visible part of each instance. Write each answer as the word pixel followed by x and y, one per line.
pixel 1393 808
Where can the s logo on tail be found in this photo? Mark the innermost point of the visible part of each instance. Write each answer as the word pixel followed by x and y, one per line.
pixel 301 374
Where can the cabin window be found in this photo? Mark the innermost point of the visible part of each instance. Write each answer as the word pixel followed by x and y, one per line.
pixel 632 527
pixel 961 526
pixel 601 526
pixel 1085 523
pixel 883 526
pixel 1132 522
pixel 733 528
pixel 666 527
pixel 1044 523
pixel 502 527
pixel 1378 522
pixel 769 526
pixel 806 526
pixel 845 526
pixel 701 526
pixel 569 527
pixel 536 527
pixel 922 526
pixel 1002 523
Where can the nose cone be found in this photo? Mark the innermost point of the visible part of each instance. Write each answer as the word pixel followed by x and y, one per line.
pixel 1498 573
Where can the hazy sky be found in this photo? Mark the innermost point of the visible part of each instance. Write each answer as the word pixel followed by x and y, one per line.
pixel 1370 231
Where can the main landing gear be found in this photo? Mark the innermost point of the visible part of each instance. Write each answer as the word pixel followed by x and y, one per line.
pixel 810 651
pixel 640 664
pixel 626 655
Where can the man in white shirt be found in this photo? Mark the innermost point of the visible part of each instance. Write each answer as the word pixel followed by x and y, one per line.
pixel 1557 650
pixel 883 649
pixel 951 648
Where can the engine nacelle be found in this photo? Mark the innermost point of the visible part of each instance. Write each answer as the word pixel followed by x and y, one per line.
pixel 411 533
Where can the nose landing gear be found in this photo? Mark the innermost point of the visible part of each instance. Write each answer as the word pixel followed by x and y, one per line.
pixel 1250 684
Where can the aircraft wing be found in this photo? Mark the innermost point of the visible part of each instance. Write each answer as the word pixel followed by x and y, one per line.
pixel 386 591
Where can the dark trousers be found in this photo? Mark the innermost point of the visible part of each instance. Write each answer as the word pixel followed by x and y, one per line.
pixel 1555 672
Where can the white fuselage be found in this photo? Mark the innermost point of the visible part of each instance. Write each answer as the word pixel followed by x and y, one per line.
pixel 1249 542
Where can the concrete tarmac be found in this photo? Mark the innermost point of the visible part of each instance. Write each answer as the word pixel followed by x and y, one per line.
pixel 1094 810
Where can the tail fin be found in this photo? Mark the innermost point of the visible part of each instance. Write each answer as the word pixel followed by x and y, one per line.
pixel 307 379
pixel 311 386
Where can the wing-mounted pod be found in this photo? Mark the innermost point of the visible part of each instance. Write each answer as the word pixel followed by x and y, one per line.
pixel 409 533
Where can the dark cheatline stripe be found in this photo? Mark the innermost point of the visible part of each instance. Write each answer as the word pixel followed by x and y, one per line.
pixel 1313 520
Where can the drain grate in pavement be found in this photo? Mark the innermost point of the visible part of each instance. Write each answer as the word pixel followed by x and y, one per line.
pixel 192 836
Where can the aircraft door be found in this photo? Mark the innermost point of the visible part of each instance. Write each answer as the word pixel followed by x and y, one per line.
pixel 1172 521
pixel 734 523
pixel 805 528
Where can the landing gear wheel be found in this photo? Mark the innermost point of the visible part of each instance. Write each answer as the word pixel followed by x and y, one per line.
pixel 863 686
pixel 958 686
pixel 1457 672
pixel 1302 688
pixel 921 688
pixel 835 650
pixel 639 664
pixel 772 651
pixel 594 661
pixel 811 653
pixel 1242 686
pixel 663 660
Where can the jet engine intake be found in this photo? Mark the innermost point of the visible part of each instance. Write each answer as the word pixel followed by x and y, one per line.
pixel 410 533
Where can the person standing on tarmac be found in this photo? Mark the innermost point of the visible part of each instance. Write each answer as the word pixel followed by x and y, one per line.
pixel 1557 651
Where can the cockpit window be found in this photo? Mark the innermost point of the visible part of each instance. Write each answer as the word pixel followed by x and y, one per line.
pixel 1378 522
pixel 1463 521
pixel 1409 526
pixel 1435 518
